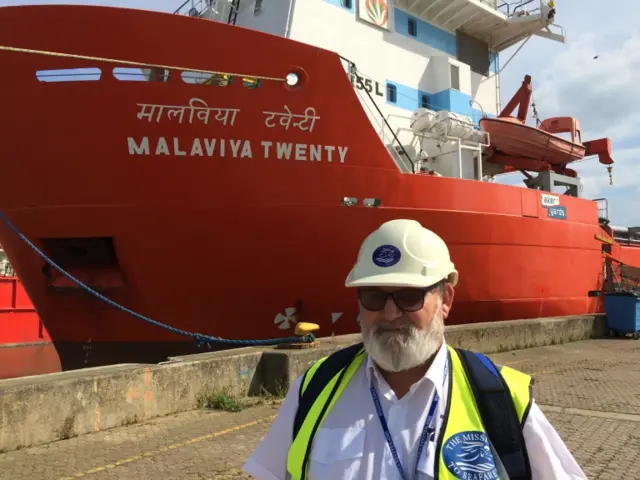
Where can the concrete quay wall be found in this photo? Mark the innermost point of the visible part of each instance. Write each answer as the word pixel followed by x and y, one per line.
pixel 41 409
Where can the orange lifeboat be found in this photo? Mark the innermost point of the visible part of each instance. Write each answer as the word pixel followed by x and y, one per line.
pixel 518 146
pixel 515 139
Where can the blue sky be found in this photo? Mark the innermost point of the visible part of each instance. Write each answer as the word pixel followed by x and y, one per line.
pixel 602 93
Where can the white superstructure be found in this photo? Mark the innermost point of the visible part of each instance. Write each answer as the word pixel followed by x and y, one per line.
pixel 434 60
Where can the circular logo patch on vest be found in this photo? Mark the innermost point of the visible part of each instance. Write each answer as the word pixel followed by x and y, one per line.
pixel 386 256
pixel 467 456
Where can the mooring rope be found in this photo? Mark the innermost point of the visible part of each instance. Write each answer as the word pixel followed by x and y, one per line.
pixel 198 337
pixel 131 62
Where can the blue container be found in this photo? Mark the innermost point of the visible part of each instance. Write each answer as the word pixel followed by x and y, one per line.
pixel 623 312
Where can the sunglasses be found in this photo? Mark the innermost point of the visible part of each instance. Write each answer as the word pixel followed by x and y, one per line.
pixel 408 299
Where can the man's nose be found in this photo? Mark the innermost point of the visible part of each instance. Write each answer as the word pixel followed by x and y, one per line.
pixel 391 310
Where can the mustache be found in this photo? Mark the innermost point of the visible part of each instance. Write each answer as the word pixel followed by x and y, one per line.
pixel 401 326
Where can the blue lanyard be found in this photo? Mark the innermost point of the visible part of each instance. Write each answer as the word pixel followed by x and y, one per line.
pixel 425 429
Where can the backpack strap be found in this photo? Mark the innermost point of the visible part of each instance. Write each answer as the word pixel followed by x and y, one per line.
pixel 498 413
pixel 329 368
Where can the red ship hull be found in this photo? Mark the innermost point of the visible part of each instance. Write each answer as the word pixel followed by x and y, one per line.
pixel 220 244
pixel 25 345
pixel 19 322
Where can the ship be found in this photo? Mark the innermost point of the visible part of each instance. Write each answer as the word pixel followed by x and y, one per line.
pixel 216 168
pixel 25 345
pixel 19 322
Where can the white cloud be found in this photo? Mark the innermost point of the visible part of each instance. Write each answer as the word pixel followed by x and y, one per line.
pixel 624 211
pixel 626 174
pixel 602 93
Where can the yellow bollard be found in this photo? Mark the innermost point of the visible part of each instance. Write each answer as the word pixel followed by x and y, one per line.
pixel 302 329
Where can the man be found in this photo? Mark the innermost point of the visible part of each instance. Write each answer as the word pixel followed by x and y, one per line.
pixel 403 406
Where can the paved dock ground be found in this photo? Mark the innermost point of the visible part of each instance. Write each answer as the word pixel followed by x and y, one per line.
pixel 589 390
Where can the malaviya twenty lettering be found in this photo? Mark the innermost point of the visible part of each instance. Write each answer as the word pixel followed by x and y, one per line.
pixel 228 148
pixel 240 149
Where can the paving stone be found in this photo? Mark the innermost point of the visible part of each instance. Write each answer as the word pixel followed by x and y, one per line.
pixel 590 391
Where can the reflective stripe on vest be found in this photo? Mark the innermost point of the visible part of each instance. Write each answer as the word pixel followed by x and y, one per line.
pixel 462 448
pixel 303 441
pixel 520 384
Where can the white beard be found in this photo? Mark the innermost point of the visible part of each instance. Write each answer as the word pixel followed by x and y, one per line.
pixel 398 350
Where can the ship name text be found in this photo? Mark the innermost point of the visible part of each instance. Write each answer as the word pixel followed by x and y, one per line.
pixel 228 148
pixel 226 116
pixel 224 147
pixel 285 119
pixel 202 112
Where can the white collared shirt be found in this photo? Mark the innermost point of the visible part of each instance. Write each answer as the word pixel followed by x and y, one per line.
pixel 351 444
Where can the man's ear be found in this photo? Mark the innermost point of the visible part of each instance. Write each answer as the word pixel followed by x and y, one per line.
pixel 447 299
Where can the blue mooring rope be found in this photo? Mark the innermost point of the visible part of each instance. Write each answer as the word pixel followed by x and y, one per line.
pixel 199 338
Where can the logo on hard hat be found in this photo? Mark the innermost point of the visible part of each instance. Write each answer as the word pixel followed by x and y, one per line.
pixel 386 256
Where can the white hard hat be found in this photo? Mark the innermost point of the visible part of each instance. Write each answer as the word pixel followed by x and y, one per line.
pixel 402 253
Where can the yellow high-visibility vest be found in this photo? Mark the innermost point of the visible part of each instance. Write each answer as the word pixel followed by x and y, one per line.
pixel 462 447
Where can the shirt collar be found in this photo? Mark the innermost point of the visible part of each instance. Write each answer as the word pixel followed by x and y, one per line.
pixel 434 374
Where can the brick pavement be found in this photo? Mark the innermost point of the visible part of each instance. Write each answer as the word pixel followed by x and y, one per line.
pixel 589 390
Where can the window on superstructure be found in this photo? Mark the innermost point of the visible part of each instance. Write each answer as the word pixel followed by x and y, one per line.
pixel 425 101
pixel 455 77
pixel 412 27
pixel 257 9
pixel 392 94
pixel 346 3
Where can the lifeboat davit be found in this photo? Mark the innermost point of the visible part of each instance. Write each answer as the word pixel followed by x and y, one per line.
pixel 517 146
